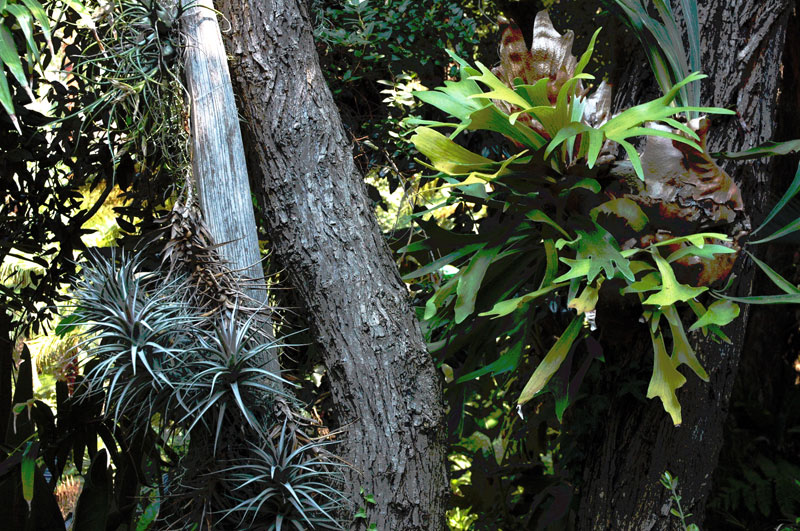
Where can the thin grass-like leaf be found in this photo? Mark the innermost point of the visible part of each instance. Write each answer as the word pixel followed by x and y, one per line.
pixel 792 191
pixel 9 56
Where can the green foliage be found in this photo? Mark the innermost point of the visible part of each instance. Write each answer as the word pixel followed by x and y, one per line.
pixel 373 54
pixel 173 377
pixel 364 37
pixel 532 194
pixel 663 43
pixel 670 483
pixel 18 18
pixel 136 73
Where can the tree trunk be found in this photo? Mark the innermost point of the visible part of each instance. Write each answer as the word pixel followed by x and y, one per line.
pixel 743 43
pixel 385 386
pixel 218 161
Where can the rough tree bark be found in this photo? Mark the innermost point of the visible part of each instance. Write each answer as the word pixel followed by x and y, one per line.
pixel 742 42
pixel 384 384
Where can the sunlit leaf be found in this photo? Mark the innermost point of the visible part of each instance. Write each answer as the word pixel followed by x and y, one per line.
pixel 766 149
pixel 447 156
pixel 649 282
pixel 25 21
pixel 438 298
pixel 623 208
pixel 41 17
pixel 577 269
pixel 552 361
pixel 453 98
pixel 707 251
pixel 719 313
pixel 602 251
pixel 665 379
pixel 509 306
pixel 491 118
pixel 9 56
pixel 587 55
pixel 500 91
pixel 470 282
pixel 6 100
pixel 28 468
pixel 436 265
pixel 671 290
pixel 682 351
pixel 588 299
pixel 697 239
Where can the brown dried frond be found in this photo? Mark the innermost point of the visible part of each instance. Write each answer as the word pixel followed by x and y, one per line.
pixel 191 250
pixel 67 492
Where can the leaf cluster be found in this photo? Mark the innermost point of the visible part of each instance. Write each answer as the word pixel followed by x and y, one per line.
pixel 159 366
pixel 533 228
pixel 368 49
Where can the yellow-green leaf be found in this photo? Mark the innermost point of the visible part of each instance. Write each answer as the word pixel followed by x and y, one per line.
pixel 28 467
pixel 552 361
pixel 719 313
pixel 588 299
pixel 665 380
pixel 439 297
pixel 447 156
pixel 650 282
pixel 682 351
pixel 9 56
pixel 500 90
pixel 470 282
pixel 41 17
pixel 623 208
pixel 25 22
pixel 506 307
pixel 671 290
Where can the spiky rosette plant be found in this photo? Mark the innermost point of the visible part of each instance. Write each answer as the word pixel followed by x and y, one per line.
pixel 190 381
pixel 138 335
pixel 285 484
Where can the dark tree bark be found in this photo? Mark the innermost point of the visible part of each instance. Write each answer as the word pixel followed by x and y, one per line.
pixel 743 42
pixel 384 383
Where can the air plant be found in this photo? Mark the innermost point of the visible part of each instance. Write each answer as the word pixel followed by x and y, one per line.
pixel 225 375
pixel 195 377
pixel 286 485
pixel 137 335
pixel 135 71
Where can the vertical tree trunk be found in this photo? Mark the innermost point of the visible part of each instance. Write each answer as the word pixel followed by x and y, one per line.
pixel 218 161
pixel 742 46
pixel 384 383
